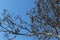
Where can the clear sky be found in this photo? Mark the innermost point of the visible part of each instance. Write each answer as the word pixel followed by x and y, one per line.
pixel 18 7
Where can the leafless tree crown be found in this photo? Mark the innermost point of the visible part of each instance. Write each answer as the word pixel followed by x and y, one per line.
pixel 44 21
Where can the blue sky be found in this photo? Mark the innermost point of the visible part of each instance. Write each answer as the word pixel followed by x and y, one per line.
pixel 18 7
